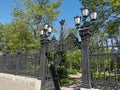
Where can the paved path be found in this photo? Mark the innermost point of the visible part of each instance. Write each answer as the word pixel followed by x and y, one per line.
pixel 73 86
pixel 11 85
pixel 7 84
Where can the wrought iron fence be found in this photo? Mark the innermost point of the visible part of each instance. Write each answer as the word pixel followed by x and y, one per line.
pixel 25 64
pixel 105 62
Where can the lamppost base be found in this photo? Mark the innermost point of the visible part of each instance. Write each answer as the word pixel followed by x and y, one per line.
pixel 47 84
pixel 86 85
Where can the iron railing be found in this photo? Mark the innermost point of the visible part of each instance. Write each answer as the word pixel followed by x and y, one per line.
pixel 20 64
pixel 105 62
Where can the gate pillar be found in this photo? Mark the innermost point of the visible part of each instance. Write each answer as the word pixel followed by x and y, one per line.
pixel 43 75
pixel 86 76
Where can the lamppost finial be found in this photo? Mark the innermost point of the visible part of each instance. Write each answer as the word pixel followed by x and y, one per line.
pixel 62 22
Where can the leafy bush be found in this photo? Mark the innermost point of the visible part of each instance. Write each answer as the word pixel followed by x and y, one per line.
pixel 66 81
pixel 72 71
pixel 63 72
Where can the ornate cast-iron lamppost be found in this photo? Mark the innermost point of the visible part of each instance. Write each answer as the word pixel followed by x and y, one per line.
pixel 45 33
pixel 85 35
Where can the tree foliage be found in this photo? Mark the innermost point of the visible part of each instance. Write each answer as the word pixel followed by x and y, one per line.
pixel 28 19
pixel 35 14
pixel 73 59
pixel 108 13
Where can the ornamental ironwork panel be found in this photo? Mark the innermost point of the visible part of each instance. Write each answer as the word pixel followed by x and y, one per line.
pixel 105 62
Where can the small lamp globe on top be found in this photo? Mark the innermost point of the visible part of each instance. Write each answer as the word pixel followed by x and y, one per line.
pixel 45 26
pixel 93 15
pixel 77 20
pixel 85 12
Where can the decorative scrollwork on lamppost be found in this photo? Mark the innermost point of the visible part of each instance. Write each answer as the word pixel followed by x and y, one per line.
pixel 45 33
pixel 85 35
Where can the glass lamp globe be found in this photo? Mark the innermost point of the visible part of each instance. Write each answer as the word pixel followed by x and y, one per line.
pixel 49 29
pixel 45 26
pixel 77 20
pixel 41 32
pixel 85 12
pixel 93 15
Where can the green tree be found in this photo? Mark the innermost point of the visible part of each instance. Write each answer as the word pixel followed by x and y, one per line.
pixel 28 18
pixel 17 36
pixel 2 36
pixel 70 30
pixel 108 13
pixel 73 59
pixel 35 13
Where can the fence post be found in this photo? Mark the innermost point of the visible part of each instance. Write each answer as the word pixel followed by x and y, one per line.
pixel 3 62
pixel 86 76
pixel 18 63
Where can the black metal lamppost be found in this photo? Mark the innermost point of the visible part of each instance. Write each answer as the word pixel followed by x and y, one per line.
pixel 85 35
pixel 45 33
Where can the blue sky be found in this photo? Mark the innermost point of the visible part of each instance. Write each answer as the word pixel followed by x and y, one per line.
pixel 69 9
pixel 5 10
